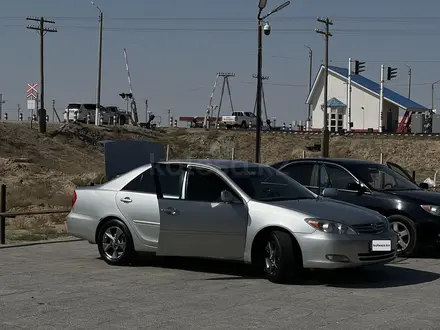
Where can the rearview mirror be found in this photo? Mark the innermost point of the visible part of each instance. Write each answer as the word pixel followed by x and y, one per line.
pixel 424 185
pixel 330 192
pixel 226 196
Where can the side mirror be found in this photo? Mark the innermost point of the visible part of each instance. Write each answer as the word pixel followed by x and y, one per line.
pixel 330 192
pixel 357 187
pixel 424 185
pixel 226 196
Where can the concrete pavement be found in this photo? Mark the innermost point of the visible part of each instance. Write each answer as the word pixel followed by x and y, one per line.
pixel 65 286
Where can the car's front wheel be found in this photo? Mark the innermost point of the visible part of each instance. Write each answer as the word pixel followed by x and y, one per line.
pixel 115 244
pixel 406 234
pixel 282 258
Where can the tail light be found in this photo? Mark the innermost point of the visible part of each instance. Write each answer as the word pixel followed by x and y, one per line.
pixel 74 198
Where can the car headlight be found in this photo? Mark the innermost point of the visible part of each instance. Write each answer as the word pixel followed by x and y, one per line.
pixel 331 227
pixel 433 209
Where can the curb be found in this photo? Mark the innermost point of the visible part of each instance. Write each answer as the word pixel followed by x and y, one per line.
pixel 9 246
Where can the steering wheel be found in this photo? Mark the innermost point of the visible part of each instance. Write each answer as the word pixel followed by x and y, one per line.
pixel 387 184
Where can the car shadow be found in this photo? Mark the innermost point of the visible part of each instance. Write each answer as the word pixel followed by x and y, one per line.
pixel 392 275
pixel 374 277
pixel 233 270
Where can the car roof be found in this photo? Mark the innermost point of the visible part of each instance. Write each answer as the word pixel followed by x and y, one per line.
pixel 339 161
pixel 219 163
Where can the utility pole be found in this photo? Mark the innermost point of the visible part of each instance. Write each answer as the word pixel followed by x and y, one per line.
pixel 53 110
pixel 263 78
pixel 349 96
pixel 259 87
pixel 225 77
pixel 325 132
pixel 42 31
pixel 1 106
pixel 382 81
pixel 409 81
pixel 309 110
pixel 98 87
pixel 18 111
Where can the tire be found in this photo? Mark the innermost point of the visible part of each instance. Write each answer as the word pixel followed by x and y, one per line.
pixel 406 229
pixel 243 124
pixel 117 255
pixel 284 264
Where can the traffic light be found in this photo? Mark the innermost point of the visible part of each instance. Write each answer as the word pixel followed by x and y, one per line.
pixel 392 73
pixel 126 95
pixel 359 67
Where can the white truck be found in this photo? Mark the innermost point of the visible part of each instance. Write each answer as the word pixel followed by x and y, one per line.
pixel 240 119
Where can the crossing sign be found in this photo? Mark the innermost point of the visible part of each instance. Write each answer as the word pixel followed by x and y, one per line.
pixel 32 91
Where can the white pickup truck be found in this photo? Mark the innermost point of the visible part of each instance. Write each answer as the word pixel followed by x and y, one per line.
pixel 240 119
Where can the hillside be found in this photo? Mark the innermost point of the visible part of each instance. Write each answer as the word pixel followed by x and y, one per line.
pixel 41 171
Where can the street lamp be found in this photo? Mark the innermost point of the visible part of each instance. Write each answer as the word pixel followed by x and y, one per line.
pixel 98 87
pixel 261 5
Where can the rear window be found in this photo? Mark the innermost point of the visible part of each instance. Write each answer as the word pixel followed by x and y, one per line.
pixel 73 106
pixel 90 106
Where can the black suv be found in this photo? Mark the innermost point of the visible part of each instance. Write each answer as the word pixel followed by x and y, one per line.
pixel 413 212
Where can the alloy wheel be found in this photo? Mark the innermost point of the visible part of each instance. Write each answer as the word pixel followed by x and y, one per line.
pixel 114 243
pixel 403 235
pixel 272 258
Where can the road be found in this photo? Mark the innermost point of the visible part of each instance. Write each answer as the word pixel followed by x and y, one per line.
pixel 65 286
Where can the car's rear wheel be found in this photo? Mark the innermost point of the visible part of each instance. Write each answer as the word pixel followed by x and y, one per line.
pixel 406 234
pixel 282 258
pixel 115 244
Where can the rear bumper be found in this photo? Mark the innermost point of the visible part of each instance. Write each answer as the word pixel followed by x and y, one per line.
pixel 326 251
pixel 230 123
pixel 82 226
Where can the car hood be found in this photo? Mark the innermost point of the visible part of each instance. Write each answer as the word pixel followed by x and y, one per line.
pixel 421 196
pixel 331 209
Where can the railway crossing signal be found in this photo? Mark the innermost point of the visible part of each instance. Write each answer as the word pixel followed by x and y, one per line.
pixel 32 91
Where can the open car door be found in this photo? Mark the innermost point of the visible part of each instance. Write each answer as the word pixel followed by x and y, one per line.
pixel 122 156
pixel 399 169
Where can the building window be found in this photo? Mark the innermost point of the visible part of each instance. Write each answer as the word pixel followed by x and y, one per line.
pixel 337 120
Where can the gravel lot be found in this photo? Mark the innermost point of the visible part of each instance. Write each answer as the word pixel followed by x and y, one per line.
pixel 65 286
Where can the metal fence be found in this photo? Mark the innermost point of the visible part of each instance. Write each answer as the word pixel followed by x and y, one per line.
pixel 11 215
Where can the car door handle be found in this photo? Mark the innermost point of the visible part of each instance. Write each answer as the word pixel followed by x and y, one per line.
pixel 126 200
pixel 170 210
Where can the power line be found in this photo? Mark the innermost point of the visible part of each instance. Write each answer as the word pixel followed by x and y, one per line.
pixel 386 19
pixel 354 32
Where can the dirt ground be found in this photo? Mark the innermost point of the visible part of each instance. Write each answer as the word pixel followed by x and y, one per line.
pixel 41 171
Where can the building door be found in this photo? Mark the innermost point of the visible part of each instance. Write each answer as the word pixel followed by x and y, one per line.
pixel 389 121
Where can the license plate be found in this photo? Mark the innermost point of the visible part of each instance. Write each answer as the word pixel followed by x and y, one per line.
pixel 381 245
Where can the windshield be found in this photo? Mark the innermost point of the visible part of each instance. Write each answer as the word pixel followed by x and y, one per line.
pixel 381 177
pixel 264 183
pixel 90 106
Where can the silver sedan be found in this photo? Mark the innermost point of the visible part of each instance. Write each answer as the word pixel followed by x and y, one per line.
pixel 229 210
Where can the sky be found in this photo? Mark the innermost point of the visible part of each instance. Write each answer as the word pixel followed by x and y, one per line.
pixel 176 47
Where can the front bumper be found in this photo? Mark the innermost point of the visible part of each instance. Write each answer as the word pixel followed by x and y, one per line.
pixel 428 231
pixel 329 251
